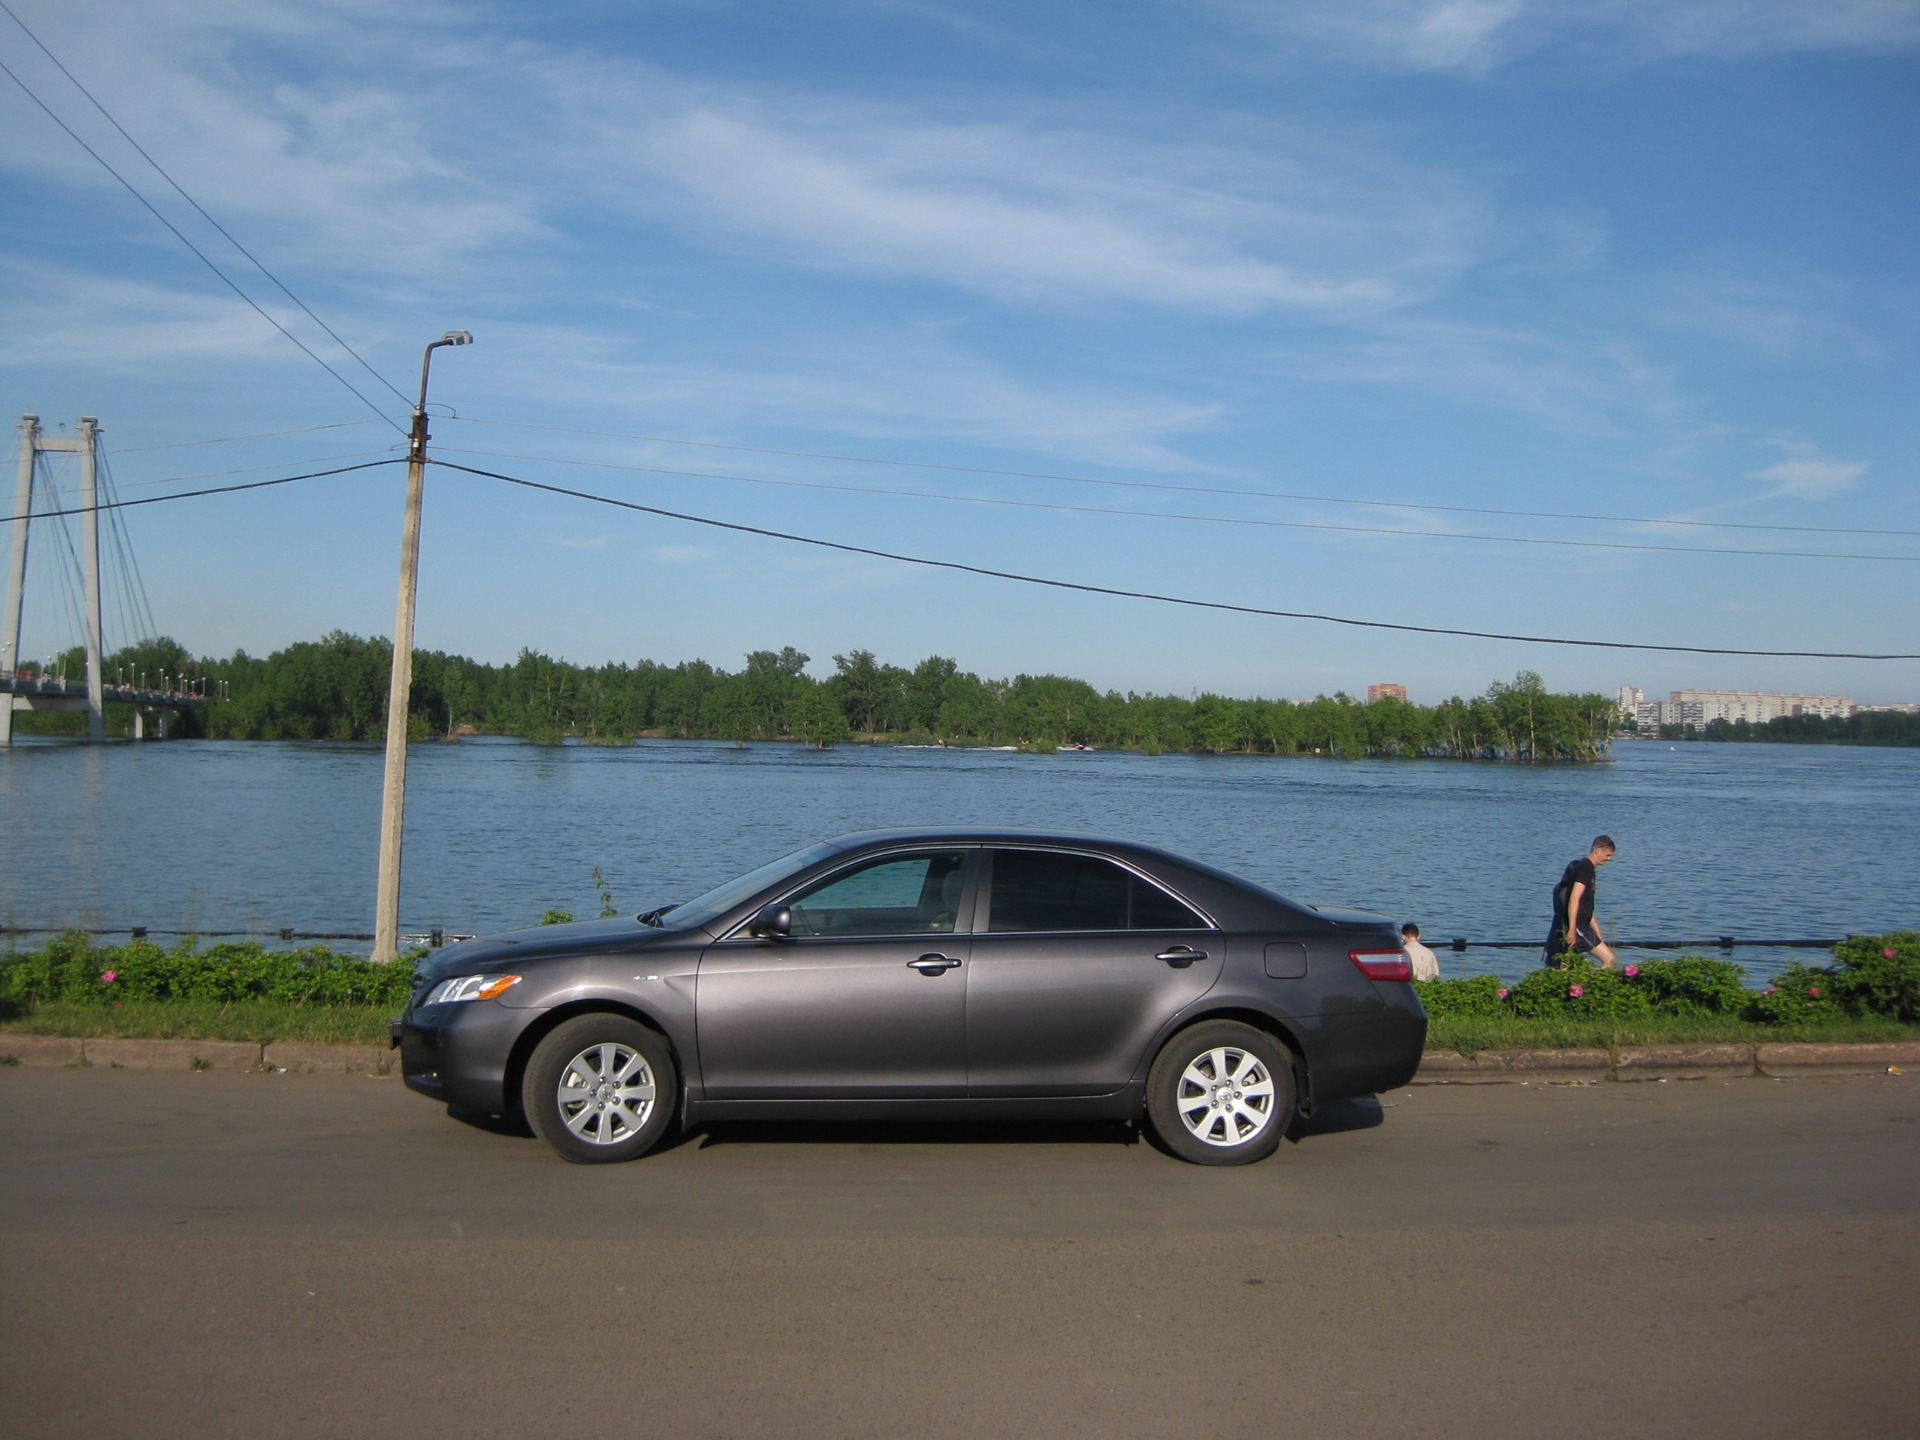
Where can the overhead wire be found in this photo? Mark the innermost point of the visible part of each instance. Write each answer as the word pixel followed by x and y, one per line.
pixel 255 469
pixel 181 192
pixel 931 562
pixel 1197 519
pixel 180 235
pixel 206 490
pixel 1186 489
pixel 231 439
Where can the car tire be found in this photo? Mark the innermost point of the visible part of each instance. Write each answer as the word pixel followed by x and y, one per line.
pixel 600 1089
pixel 1221 1093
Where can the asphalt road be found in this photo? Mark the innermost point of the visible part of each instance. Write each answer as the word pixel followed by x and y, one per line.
pixel 299 1255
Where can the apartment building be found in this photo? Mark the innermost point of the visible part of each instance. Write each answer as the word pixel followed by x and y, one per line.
pixel 1698 708
pixel 1386 692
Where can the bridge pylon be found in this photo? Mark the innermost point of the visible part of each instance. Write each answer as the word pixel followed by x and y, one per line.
pixel 86 443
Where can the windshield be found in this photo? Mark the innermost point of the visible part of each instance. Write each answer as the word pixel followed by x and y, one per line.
pixel 722 898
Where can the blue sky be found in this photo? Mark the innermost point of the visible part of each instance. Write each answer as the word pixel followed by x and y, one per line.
pixel 1644 260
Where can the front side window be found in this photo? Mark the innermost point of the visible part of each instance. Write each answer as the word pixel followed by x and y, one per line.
pixel 1041 891
pixel 900 895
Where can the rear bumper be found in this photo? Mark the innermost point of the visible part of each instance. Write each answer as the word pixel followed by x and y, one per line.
pixel 1368 1054
pixel 459 1053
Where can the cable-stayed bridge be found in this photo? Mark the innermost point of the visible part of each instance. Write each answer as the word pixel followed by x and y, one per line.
pixel 62 479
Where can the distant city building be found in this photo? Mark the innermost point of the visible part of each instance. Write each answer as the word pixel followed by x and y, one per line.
pixel 1699 708
pixel 1901 707
pixel 1629 700
pixel 1386 692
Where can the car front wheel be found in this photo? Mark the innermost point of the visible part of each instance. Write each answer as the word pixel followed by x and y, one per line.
pixel 600 1089
pixel 1221 1093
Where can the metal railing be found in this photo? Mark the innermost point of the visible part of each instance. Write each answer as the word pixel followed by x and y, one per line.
pixel 433 938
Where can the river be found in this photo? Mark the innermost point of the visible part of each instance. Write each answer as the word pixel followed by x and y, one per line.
pixel 1747 840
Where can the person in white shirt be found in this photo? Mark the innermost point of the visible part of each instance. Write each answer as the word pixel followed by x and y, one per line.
pixel 1426 965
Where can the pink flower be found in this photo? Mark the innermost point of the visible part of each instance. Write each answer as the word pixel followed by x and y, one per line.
pixel 1888 952
pixel 1503 994
pixel 1771 989
pixel 1814 990
pixel 1631 971
pixel 1576 991
pixel 107 977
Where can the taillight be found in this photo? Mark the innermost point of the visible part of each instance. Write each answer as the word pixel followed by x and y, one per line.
pixel 1393 964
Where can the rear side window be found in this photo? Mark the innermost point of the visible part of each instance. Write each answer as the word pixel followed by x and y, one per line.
pixel 1037 890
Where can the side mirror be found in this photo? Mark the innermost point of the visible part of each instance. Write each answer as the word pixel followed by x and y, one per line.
pixel 773 923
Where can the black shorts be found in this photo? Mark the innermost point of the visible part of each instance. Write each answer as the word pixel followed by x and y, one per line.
pixel 1585 938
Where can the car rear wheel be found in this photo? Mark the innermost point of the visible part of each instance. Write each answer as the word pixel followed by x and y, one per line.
pixel 600 1089
pixel 1221 1093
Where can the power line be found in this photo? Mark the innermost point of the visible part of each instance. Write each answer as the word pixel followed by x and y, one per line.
pixel 992 574
pixel 1188 489
pixel 209 490
pixel 1198 519
pixel 230 439
pixel 201 254
pixel 178 190
pixel 255 469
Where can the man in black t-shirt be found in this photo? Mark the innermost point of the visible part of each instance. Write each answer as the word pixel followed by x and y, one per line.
pixel 1574 925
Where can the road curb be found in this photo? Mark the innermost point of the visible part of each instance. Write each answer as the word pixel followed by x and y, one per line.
pixel 116 1053
pixel 1437 1067
pixel 1665 1062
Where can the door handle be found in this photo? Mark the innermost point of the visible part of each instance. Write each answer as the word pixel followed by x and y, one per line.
pixel 934 964
pixel 1181 955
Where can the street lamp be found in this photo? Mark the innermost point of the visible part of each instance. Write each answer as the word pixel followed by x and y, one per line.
pixel 393 792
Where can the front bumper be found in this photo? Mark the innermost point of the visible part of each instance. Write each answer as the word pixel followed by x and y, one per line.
pixel 459 1053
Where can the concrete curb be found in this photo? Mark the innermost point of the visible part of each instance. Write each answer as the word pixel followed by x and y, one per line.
pixel 1665 1062
pixel 1437 1067
pixel 113 1053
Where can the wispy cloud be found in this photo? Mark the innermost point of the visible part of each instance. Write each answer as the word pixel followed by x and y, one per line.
pixel 1028 213
pixel 1805 473
pixel 1478 35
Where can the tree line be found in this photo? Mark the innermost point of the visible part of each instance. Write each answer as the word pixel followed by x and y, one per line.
pixel 1869 727
pixel 335 688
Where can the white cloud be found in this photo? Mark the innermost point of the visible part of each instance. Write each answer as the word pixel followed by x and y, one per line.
pixel 1031 214
pixel 1477 35
pixel 1806 474
pixel 679 554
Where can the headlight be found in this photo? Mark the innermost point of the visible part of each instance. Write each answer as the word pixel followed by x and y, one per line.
pixel 471 987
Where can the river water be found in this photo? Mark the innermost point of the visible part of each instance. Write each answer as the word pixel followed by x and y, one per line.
pixel 1762 841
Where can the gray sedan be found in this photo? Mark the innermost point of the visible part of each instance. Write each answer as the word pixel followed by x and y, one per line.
pixel 920 973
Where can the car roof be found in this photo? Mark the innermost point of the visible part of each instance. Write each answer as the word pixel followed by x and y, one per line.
pixel 989 834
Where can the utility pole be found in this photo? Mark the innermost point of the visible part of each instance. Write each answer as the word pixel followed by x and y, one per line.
pixel 393 792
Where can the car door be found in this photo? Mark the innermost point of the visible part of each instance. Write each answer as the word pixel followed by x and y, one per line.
pixel 865 1000
pixel 1077 962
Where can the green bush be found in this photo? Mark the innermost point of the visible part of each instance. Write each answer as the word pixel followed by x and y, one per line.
pixel 1576 987
pixel 1692 985
pixel 1474 995
pixel 1799 994
pixel 72 969
pixel 1879 974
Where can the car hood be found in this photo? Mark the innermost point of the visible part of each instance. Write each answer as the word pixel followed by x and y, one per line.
pixel 515 948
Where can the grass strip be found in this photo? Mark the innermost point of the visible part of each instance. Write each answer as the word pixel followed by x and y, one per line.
pixel 262 1021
